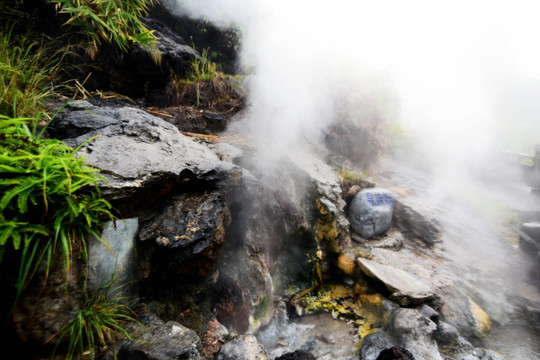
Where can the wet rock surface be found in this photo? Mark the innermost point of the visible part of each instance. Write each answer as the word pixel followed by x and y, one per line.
pixel 405 289
pixel 187 233
pixel 220 242
pixel 159 340
pixel 370 212
pixel 374 343
pixel 245 347
pixel 415 225
pixel 132 149
pixel 415 332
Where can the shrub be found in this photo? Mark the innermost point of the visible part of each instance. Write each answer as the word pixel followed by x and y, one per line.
pixel 50 199
pixel 110 21
pixel 206 86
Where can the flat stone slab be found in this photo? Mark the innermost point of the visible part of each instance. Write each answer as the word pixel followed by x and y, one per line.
pixel 132 148
pixel 405 288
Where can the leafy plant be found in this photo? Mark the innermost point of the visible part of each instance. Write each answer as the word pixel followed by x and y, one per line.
pixel 98 322
pixel 110 21
pixel 206 86
pixel 203 69
pixel 353 177
pixel 50 199
pixel 27 70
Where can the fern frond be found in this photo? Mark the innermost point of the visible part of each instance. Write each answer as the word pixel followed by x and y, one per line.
pixel 23 189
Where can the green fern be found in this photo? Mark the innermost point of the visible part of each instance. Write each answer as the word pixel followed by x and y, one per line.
pixel 50 199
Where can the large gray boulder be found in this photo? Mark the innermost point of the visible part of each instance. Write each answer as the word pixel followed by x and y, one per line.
pixel 371 212
pixel 133 149
pixel 185 233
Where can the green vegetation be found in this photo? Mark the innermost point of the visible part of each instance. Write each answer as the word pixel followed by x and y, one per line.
pixel 50 201
pixel 352 176
pixel 110 21
pixel 50 198
pixel 27 71
pixel 205 85
pixel 99 320
pixel 203 69
pixel 261 308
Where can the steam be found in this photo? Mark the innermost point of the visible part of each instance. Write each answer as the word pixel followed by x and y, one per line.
pixel 455 65
pixel 467 73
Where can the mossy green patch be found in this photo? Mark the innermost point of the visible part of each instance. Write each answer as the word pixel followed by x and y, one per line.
pixel 325 227
pixel 261 308
pixel 483 322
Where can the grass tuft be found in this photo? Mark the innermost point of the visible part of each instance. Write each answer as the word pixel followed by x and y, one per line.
pixel 99 322
pixel 206 86
pixel 27 71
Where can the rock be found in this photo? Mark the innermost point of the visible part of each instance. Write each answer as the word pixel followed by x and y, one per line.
pixel 529 239
pixel 215 336
pixel 187 233
pixel 482 320
pixel 160 341
pixel 47 304
pixel 405 288
pixel 374 343
pixel 482 354
pixel 278 224
pixel 323 186
pixel 529 243
pixel 297 355
pixel 245 347
pixel 430 313
pixel 533 316
pixel 461 311
pixel 115 260
pixel 495 303
pixel 215 122
pixel 532 229
pixel 227 152
pixel 136 73
pixel 176 55
pixel 416 226
pixel 353 135
pixel 246 286
pixel 370 212
pixel 415 332
pixel 346 263
pixel 133 149
pixel 394 240
pixel 38 318
pixel 395 353
pixel 446 334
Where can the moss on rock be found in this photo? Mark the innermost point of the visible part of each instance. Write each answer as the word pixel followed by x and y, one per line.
pixel 481 318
